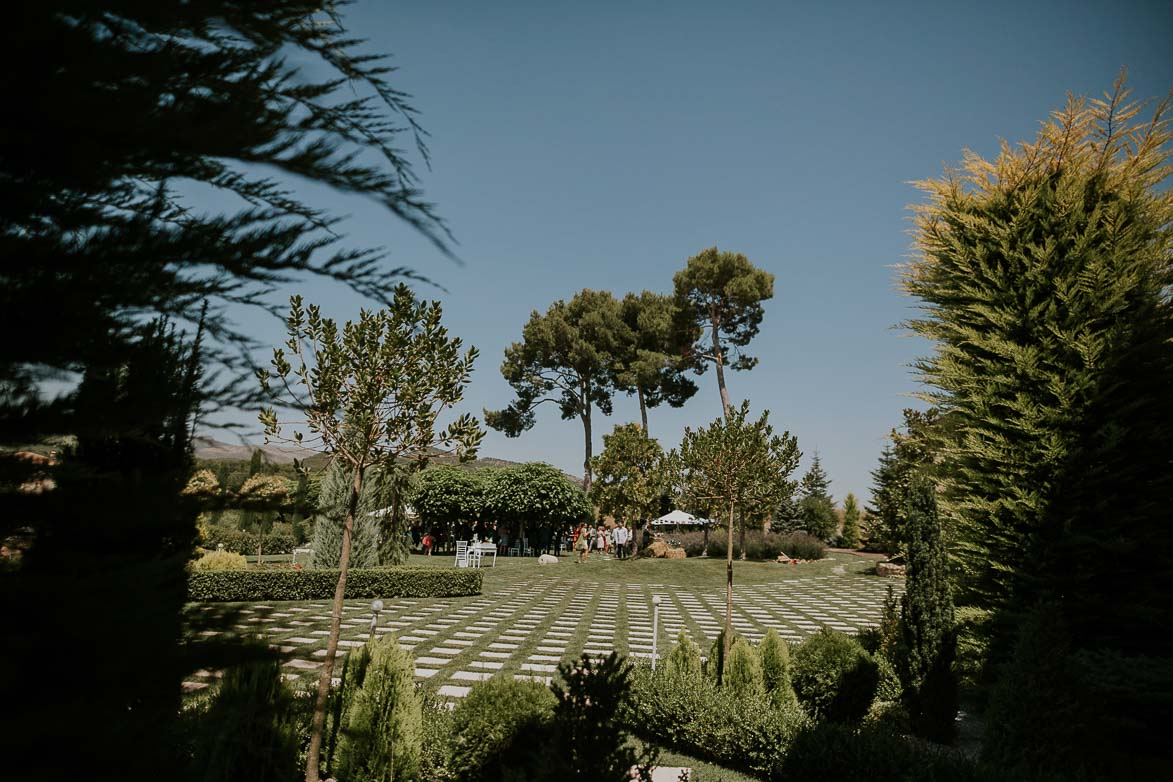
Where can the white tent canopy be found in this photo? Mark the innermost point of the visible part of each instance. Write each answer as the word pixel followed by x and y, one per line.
pixel 679 518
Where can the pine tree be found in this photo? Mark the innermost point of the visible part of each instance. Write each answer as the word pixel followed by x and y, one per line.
pixel 816 506
pixel 926 619
pixel 886 521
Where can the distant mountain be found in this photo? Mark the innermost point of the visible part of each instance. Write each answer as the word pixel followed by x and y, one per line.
pixel 214 450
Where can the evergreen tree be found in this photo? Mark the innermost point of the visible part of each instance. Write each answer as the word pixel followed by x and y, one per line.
pixel 332 505
pixel 382 725
pixel 1045 278
pixel 300 502
pixel 249 520
pixel 743 669
pixel 816 508
pixel 651 364
pixel 926 619
pixel 567 356
pixel 250 730
pixel 885 531
pixel 721 294
pixel 156 101
pixel 775 654
pixel 850 533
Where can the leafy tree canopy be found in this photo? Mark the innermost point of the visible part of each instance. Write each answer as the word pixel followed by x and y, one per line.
pixel 535 495
pixel 446 495
pixel 630 475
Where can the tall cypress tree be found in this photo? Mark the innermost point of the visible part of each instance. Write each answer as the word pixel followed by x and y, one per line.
pixel 927 619
pixel 1045 276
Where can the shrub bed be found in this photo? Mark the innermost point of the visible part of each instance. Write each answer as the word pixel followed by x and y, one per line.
pixel 238 586
pixel 758 545
pixel 241 542
pixel 746 731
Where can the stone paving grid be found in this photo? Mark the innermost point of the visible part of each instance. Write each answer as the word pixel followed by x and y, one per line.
pixel 526 629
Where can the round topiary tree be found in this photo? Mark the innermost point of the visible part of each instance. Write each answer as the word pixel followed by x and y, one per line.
pixel 834 677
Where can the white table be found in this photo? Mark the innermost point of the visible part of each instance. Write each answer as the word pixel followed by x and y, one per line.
pixel 483 548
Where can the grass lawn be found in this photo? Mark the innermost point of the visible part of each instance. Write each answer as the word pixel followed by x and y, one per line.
pixel 531 617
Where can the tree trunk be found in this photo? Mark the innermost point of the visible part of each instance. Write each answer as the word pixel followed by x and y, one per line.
pixel 586 428
pixel 643 409
pixel 315 748
pixel 720 369
pixel 742 515
pixel 729 585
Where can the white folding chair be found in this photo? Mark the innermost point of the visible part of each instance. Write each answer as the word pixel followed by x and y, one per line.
pixel 462 558
pixel 476 555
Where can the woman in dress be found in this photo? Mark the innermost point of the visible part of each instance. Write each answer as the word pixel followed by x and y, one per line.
pixel 582 543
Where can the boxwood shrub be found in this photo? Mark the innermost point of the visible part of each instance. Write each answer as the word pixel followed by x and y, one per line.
pixel 238 586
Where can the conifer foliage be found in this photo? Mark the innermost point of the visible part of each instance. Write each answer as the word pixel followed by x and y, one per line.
pixel 929 644
pixel 1045 276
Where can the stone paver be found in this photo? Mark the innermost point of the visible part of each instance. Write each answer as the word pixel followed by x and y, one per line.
pixel 525 630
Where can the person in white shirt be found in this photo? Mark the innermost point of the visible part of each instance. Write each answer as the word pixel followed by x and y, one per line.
pixel 619 537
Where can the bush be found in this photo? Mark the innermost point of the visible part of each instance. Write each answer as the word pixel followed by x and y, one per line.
pixel 775 654
pixel 592 695
pixel 250 728
pixel 830 751
pixel 220 560
pixel 435 752
pixel 693 715
pixel 800 545
pixel 381 726
pixel 685 657
pixel 495 726
pixel 237 586
pixel 243 542
pixel 743 669
pixel 760 546
pixel 834 677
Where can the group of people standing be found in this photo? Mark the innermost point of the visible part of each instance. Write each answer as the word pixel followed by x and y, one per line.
pixel 618 540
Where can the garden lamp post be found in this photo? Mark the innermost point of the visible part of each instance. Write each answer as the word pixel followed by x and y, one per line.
pixel 655 627
pixel 376 607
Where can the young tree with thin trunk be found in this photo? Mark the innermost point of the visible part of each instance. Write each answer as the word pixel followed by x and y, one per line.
pixel 630 475
pixel 567 356
pixel 719 299
pixel 731 464
pixel 651 364
pixel 368 395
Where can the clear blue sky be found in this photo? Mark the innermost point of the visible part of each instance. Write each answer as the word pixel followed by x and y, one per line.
pixel 599 145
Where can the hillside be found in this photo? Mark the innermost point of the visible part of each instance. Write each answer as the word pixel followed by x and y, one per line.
pixel 209 449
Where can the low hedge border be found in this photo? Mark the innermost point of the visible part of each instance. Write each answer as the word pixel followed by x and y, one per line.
pixel 239 586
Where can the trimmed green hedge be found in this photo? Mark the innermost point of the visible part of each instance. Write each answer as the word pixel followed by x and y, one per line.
pixel 238 586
